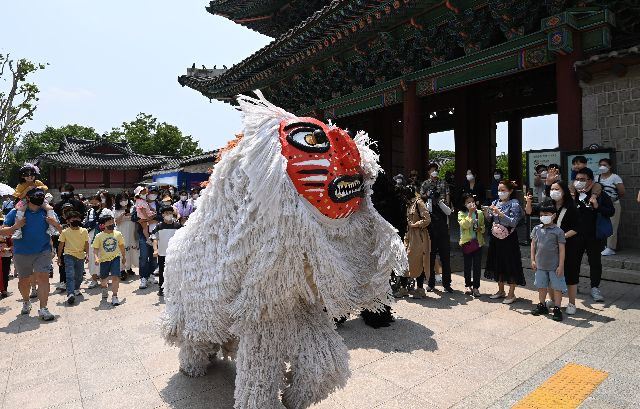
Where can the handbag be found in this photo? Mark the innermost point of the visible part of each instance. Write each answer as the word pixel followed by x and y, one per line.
pixel 470 246
pixel 500 232
pixel 604 228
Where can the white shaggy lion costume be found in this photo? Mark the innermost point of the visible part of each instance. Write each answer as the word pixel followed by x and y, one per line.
pixel 284 238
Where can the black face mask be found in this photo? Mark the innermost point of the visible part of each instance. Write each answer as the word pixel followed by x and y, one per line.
pixel 75 223
pixel 95 206
pixel 36 201
pixel 109 227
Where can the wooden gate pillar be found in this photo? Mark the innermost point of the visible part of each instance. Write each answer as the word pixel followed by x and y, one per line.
pixel 411 131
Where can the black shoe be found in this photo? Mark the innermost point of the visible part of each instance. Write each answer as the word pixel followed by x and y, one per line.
pixel 123 275
pixel 71 299
pixel 557 314
pixel 540 310
pixel 430 289
pixel 160 293
pixel 448 289
pixel 130 272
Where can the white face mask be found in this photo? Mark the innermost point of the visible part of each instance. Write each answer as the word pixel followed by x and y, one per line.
pixel 544 174
pixel 168 219
pixel 183 197
pixel 470 177
pixel 604 169
pixel 555 194
pixel 124 202
pixel 103 200
pixel 143 197
pixel 152 197
pixel 434 174
pixel 496 176
pixel 503 195
pixel 578 184
pixel 546 219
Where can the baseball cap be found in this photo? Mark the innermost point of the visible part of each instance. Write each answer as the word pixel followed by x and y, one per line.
pixel 137 190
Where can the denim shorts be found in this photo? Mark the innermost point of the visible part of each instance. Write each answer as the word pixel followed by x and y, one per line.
pixel 543 277
pixel 111 267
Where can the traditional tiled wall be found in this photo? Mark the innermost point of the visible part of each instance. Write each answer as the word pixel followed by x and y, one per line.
pixel 611 118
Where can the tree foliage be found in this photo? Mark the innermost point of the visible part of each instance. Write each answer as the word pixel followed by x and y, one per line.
pixel 18 98
pixel 147 136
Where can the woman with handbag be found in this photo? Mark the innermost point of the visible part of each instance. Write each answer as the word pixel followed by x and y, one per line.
pixel 418 245
pixel 472 230
pixel 504 263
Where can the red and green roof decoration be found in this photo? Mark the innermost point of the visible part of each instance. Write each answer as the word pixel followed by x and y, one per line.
pixel 356 55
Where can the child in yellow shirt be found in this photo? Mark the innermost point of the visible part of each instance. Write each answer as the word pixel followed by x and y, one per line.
pixel 73 246
pixel 108 247
pixel 28 181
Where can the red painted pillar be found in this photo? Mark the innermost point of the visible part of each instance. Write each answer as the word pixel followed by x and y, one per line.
pixel 515 148
pixel 462 136
pixel 569 99
pixel 411 131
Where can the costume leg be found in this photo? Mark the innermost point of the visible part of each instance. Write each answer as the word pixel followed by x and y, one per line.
pixel 319 359
pixel 260 365
pixel 194 358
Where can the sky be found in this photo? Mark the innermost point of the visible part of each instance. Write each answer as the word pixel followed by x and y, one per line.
pixel 109 61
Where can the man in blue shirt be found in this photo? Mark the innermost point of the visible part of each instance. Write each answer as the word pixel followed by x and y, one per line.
pixel 32 253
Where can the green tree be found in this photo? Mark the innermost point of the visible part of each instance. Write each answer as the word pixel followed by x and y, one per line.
pixel 148 137
pixel 17 104
pixel 502 163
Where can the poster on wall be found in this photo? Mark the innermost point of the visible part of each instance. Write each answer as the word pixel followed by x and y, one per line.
pixel 593 157
pixel 540 157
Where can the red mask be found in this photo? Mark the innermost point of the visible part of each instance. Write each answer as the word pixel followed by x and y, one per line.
pixel 324 165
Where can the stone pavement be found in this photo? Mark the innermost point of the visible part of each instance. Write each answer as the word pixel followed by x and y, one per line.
pixel 443 351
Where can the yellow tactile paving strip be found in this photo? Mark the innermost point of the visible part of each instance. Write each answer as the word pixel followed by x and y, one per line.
pixel 567 389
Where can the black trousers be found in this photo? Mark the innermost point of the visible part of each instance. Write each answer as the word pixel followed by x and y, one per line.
pixel 404 281
pixel 593 247
pixel 472 261
pixel 440 245
pixel 6 265
pixel 61 270
pixel 161 270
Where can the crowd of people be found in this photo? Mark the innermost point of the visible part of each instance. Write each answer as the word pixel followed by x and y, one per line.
pixel 575 217
pixel 95 239
pixel 102 237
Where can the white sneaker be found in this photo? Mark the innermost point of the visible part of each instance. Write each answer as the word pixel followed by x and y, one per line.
pixel 115 301
pixel 52 231
pixel 61 286
pixel 17 235
pixel 596 294
pixel 156 272
pixel 608 252
pixel 92 284
pixel 45 314
pixel 143 283
pixel 154 280
pixel 550 304
pixel 571 309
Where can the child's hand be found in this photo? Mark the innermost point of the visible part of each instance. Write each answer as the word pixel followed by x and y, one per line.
pixel 534 265
pixel 96 261
pixel 20 223
pixel 560 271
pixel 59 261
pixel 52 221
pixel 155 253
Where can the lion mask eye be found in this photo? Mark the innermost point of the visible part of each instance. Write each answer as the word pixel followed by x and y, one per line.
pixel 308 138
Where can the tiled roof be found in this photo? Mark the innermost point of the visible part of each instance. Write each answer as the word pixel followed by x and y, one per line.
pixel 80 154
pixel 334 17
pixel 631 52
pixel 202 158
pixel 269 17
pixel 120 161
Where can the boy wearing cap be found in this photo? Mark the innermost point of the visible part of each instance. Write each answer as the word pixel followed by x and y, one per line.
pixel 32 252
pixel 73 248
pixel 108 248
